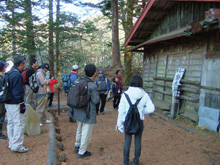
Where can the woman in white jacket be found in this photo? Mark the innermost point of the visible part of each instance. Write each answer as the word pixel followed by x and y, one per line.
pixel 145 106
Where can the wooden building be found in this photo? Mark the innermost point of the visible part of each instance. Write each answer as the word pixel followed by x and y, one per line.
pixel 186 34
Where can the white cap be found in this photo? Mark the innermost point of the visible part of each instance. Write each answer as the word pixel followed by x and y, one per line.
pixel 75 67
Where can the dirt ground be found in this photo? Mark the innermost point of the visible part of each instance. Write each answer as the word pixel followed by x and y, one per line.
pixel 163 143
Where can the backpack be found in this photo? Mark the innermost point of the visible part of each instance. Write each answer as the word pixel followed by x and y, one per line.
pixel 66 82
pixel 133 124
pixel 77 96
pixel 5 95
pixel 33 83
pixel 24 75
pixel 102 85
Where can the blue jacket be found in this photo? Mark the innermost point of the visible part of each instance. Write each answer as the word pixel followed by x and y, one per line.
pixel 73 77
pixel 16 85
pixel 103 79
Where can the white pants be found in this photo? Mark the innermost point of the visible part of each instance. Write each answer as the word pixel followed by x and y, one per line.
pixel 83 136
pixel 15 126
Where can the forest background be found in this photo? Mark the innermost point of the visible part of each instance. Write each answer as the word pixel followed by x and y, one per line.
pixel 47 31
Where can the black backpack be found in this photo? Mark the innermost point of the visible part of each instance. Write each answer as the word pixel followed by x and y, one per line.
pixel 5 94
pixel 77 95
pixel 133 124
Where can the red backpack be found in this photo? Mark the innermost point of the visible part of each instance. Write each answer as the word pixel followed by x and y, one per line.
pixel 24 75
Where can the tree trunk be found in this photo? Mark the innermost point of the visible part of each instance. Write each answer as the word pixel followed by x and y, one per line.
pixel 14 39
pixel 144 3
pixel 128 56
pixel 116 58
pixel 58 40
pixel 51 52
pixel 30 34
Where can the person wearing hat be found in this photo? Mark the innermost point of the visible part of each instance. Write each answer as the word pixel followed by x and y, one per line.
pixel 43 93
pixel 73 78
pixel 15 107
pixel 2 105
pixel 103 85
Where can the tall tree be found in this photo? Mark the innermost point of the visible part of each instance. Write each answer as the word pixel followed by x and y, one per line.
pixel 58 39
pixel 116 58
pixel 30 44
pixel 51 51
pixel 127 23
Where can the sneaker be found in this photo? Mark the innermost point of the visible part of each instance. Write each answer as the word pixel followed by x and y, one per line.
pixel 3 137
pixel 72 120
pixel 76 149
pixel 41 125
pixel 46 122
pixel 86 154
pixel 21 149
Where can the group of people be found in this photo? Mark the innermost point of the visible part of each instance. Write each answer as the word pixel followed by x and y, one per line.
pixel 103 87
pixel 97 91
pixel 21 95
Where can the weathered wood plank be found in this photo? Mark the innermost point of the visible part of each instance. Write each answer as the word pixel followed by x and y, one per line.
pixel 162 105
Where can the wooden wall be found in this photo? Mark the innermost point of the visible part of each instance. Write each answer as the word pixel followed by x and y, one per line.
pixel 182 15
pixel 159 68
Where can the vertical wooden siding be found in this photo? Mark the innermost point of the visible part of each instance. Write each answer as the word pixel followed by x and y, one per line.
pixel 163 64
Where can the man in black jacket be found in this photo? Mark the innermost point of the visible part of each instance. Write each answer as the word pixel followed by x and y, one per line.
pixel 15 107
pixel 28 92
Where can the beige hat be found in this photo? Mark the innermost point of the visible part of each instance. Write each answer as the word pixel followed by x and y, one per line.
pixel 75 67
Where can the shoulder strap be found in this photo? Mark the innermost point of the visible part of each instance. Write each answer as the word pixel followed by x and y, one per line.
pixel 129 101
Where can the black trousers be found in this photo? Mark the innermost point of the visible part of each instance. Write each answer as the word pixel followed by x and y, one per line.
pixel 103 101
pixel 116 101
pixel 50 99
pixel 127 145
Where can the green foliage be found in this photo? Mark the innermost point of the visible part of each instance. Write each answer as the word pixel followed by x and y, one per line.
pixel 80 42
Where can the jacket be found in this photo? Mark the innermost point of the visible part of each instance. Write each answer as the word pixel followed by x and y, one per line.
pixel 145 106
pixel 30 71
pixel 80 114
pixel 73 77
pixel 16 85
pixel 120 81
pixel 116 89
pixel 42 82
pixel 51 84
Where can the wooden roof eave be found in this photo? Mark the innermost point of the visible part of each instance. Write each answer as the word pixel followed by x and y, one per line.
pixel 140 19
pixel 168 36
pixel 147 8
